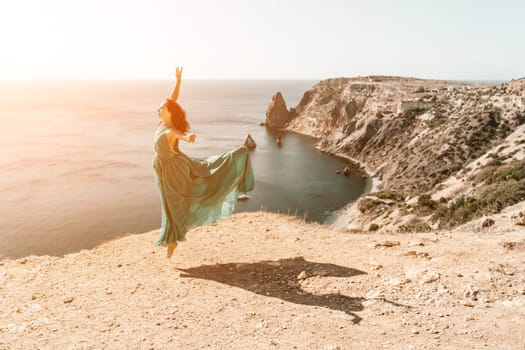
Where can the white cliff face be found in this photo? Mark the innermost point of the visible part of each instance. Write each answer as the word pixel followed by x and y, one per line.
pixel 329 107
pixel 413 134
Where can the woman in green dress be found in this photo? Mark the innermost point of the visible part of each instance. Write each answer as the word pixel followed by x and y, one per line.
pixel 193 191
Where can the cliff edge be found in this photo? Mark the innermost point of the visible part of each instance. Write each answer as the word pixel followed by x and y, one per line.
pixel 269 281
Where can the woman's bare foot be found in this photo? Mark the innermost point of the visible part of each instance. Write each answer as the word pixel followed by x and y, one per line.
pixel 171 249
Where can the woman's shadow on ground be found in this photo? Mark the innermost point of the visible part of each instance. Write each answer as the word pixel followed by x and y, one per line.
pixel 279 279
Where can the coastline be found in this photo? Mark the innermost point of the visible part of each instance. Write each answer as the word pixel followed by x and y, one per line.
pixel 343 217
pixel 376 181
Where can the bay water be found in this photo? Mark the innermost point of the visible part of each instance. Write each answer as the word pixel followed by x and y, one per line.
pixel 76 158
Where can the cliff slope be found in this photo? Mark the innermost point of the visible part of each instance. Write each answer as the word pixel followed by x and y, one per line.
pixel 432 144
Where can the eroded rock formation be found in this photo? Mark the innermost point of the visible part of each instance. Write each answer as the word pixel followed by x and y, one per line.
pixel 277 114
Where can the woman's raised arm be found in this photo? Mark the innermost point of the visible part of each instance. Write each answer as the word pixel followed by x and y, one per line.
pixel 176 89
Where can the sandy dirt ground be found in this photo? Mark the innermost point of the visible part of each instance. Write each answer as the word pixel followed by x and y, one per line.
pixel 270 281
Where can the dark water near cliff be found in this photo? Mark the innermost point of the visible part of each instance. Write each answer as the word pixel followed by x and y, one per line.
pixel 76 158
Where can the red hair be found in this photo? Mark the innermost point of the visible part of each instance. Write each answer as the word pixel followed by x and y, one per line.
pixel 178 116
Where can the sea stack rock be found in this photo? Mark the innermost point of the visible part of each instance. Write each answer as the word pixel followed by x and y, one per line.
pixel 277 115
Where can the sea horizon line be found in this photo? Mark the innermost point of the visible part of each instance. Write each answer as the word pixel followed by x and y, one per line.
pixel 44 80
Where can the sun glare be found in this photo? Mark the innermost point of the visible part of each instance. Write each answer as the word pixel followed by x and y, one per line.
pixel 60 39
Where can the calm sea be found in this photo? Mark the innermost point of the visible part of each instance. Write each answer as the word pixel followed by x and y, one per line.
pixel 76 158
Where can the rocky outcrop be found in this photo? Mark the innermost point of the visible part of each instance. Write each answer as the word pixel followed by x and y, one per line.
pixel 277 114
pixel 327 109
pixel 415 134
pixel 414 105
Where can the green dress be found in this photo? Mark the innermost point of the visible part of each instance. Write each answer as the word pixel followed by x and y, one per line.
pixel 197 191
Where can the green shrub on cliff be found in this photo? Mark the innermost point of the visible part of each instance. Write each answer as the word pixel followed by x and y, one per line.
pixel 502 194
pixel 368 205
pixel 512 171
pixel 425 200
pixel 503 187
pixel 388 194
pixel 415 227
pixel 373 227
pixel 458 212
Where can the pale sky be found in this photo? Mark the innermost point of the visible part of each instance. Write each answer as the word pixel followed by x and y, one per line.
pixel 272 39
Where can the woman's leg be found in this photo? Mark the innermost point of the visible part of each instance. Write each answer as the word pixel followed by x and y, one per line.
pixel 171 249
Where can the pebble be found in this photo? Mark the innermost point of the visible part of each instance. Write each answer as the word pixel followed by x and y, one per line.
pixel 332 347
pixel 376 266
pixel 467 303
pixel 398 281
pixel 470 291
pixel 302 275
pixel 415 254
pixel 428 277
pixel 3 277
pixel 68 300
pixel 387 244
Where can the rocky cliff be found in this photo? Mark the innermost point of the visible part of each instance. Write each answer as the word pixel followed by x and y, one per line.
pixel 432 143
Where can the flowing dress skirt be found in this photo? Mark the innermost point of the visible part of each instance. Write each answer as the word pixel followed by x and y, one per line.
pixel 197 191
